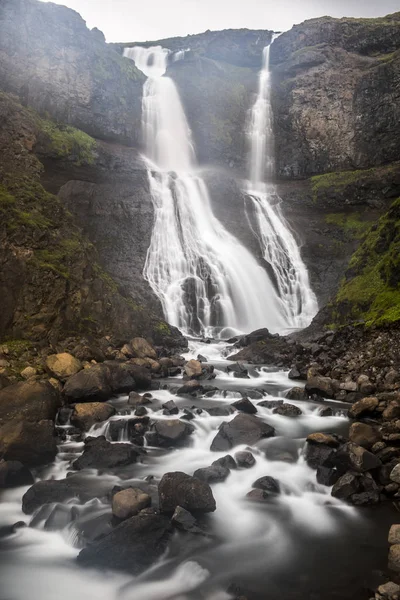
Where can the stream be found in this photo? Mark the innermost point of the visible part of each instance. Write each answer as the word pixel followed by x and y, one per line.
pixel 303 544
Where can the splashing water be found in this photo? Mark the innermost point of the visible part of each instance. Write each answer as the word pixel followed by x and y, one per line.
pixel 208 283
pixel 278 245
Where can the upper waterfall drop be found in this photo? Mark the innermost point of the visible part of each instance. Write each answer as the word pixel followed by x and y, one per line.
pixel 207 281
pixel 278 244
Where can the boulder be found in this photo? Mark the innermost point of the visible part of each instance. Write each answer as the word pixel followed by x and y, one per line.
pixel 136 399
pixel 142 349
pixel 364 435
pixel 297 393
pixel 29 401
pixel 394 558
pixel 294 373
pixel 63 365
pixel 270 403
pixel 100 382
pixel 238 370
pixel 85 415
pixel 258 495
pixel 193 368
pixel 169 433
pixel 100 454
pixel 357 488
pixel 392 411
pixel 134 545
pixel 325 439
pixel 245 459
pixel 321 386
pixel 28 372
pixel 129 502
pixel 178 489
pixel 212 474
pixel 319 448
pixel 389 590
pixel 243 429
pixel 14 474
pixel 184 520
pixel 190 387
pixel 395 474
pixel 170 408
pixel 267 484
pixel 356 458
pixel 287 410
pixel 244 405
pixel 223 410
pixel 363 407
pixel 30 443
pixel 225 461
pixel 4 381
pixel 327 475
pixel 394 534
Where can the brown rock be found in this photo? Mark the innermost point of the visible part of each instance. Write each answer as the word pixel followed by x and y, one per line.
pixel 323 438
pixel 394 534
pixel 85 415
pixel 193 368
pixel 142 348
pixel 392 411
pixel 363 406
pixel 62 365
pixel 364 435
pixel 394 558
pixel 28 373
pixel 129 502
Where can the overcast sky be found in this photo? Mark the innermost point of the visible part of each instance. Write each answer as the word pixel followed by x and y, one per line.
pixel 140 20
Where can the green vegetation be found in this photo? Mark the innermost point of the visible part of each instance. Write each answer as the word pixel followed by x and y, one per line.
pixel 16 347
pixel 163 328
pixel 350 223
pixel 370 291
pixel 68 142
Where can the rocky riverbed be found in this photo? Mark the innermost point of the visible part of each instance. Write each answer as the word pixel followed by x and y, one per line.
pixel 195 476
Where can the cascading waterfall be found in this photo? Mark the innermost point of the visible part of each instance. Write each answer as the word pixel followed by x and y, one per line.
pixel 278 245
pixel 208 283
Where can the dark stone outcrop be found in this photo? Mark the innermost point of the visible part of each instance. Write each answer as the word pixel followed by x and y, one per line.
pixel 14 474
pixel 100 454
pixel 170 433
pixel 243 429
pixel 132 546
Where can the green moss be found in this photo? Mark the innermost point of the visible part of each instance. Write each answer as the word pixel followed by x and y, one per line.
pixel 6 199
pixel 68 142
pixel 370 291
pixel 163 328
pixel 17 347
pixel 351 223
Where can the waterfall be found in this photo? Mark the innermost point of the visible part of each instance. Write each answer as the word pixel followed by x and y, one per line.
pixel 278 245
pixel 207 281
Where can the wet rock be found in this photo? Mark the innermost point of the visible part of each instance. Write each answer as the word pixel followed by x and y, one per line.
pixel 297 393
pixel 141 411
pixel 169 433
pixel 365 386
pixel 219 411
pixel 394 534
pixel 392 411
pixel 321 386
pixel 142 349
pixel 129 502
pixel 238 370
pixel 30 443
pixel 136 399
pixel 190 387
pixel 170 408
pixel 327 475
pixel 63 365
pixel 193 368
pixel 243 429
pixel 395 474
pixel 294 373
pixel 64 415
pixel 325 439
pixel 287 410
pixel 363 407
pixel 353 457
pixel 100 382
pixel 100 454
pixel 389 590
pixel 281 453
pixel 270 403
pixel 394 558
pixel 364 435
pixel 14 474
pixel 178 489
pixel 326 411
pixel 319 448
pixel 134 545
pixel 253 394
pixel 245 459
pixel 212 474
pixel 85 415
pixel 268 484
pixel 359 489
pixel 188 415
pixel 182 519
pixel 201 358
pixel 244 405
pixel 225 461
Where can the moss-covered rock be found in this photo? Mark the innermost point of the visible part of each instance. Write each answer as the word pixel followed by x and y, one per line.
pixel 370 291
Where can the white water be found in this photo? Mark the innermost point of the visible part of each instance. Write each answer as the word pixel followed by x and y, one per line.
pixel 277 242
pixel 206 280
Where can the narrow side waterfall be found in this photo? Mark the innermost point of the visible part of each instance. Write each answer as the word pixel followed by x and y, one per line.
pixel 208 283
pixel 278 245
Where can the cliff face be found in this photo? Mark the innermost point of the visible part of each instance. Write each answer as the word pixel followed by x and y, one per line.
pixel 51 283
pixel 57 66
pixel 336 95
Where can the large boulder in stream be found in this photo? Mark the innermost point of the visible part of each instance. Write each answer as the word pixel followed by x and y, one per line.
pixel 178 489
pixel 27 413
pixel 100 454
pixel 85 415
pixel 169 433
pixel 133 546
pixel 100 382
pixel 243 429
